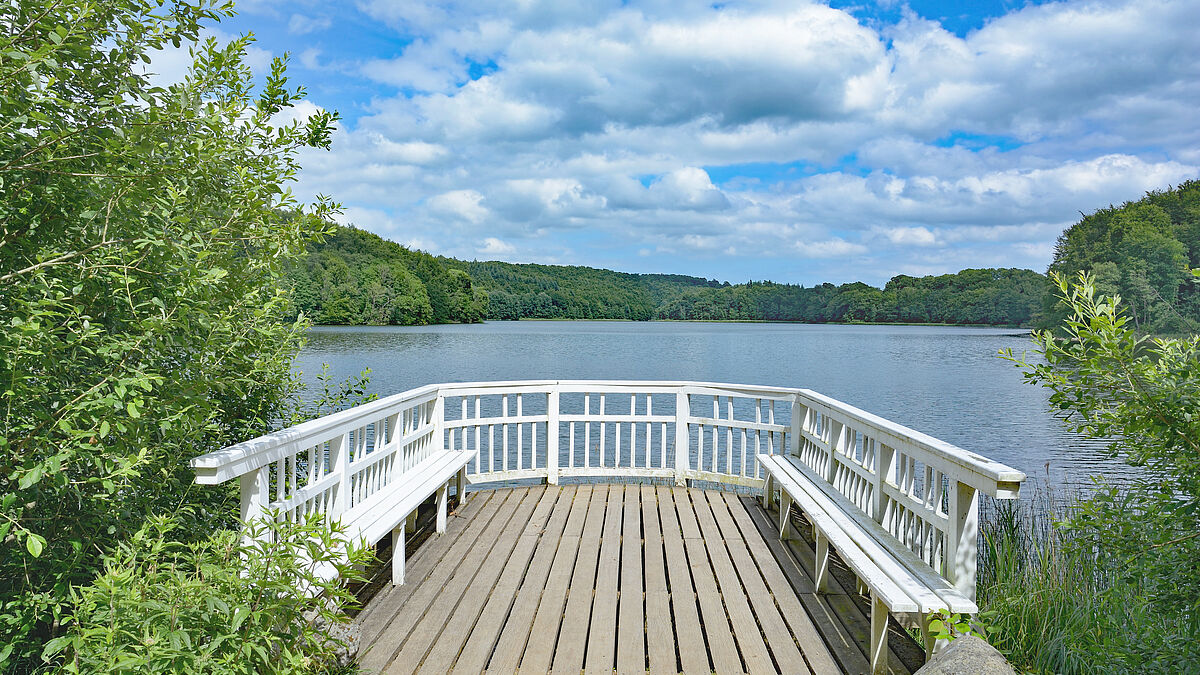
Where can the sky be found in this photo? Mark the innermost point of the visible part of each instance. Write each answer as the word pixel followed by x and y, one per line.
pixel 799 142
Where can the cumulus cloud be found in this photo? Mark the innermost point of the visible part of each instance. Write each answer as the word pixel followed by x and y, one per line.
pixel 651 136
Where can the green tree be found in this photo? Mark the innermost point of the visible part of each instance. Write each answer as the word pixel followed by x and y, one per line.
pixel 1142 394
pixel 141 314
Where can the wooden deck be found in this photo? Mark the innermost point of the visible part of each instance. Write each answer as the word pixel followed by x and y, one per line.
pixel 631 578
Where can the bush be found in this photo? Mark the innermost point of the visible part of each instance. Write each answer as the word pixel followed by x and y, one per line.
pixel 220 605
pixel 1115 585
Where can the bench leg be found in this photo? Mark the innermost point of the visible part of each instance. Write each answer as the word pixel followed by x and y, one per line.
pixel 785 515
pixel 927 636
pixel 879 650
pixel 768 492
pixel 442 494
pixel 398 555
pixel 410 523
pixel 822 564
pixel 460 487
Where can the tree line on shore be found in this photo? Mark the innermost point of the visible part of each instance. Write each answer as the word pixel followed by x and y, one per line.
pixel 354 277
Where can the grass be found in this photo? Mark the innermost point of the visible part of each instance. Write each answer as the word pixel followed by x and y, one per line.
pixel 1057 605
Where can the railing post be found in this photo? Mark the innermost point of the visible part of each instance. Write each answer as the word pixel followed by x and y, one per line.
pixel 339 465
pixel 885 472
pixel 963 538
pixel 254 492
pixel 835 434
pixel 683 411
pixel 552 436
pixel 796 432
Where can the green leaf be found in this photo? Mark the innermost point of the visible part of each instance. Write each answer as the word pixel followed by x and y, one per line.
pixel 34 543
pixel 103 428
pixel 239 617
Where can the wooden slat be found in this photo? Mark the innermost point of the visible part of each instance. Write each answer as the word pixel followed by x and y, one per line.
pixel 512 551
pixel 721 646
pixel 745 629
pixel 529 564
pixel 688 632
pixel 631 643
pixel 568 654
pixel 502 535
pixel 660 642
pixel 386 639
pixel 602 636
pixel 774 628
pixel 551 562
pixel 382 608
pixel 734 515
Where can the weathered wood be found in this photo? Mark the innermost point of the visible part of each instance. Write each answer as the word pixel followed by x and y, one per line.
pixel 778 637
pixel 511 551
pixel 683 600
pixel 602 634
pixel 568 656
pixel 525 566
pixel 660 642
pixel 412 647
pixel 631 638
pixel 813 648
pixel 384 608
pixel 721 647
pixel 552 553
pixel 745 630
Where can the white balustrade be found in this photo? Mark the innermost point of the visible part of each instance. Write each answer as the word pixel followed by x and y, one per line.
pixel 922 490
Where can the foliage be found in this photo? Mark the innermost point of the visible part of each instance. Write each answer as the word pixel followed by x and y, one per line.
pixel 221 605
pixel 141 318
pixel 945 625
pixel 1132 550
pixel 354 277
pixel 1140 250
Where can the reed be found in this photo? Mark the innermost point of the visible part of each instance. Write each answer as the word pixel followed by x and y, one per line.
pixel 1057 605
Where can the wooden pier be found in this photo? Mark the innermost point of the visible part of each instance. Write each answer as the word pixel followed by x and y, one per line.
pixel 624 578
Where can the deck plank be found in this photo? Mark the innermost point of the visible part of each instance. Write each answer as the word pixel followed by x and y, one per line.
pixel 660 641
pixel 774 628
pixel 382 609
pixel 497 541
pixel 688 631
pixel 745 628
pixel 631 643
pixel 572 632
pixel 524 566
pixel 553 553
pixel 722 648
pixel 602 635
pixel 511 551
pixel 631 578
pixel 813 648
pixel 383 646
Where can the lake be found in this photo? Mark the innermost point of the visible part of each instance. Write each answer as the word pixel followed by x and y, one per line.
pixel 945 381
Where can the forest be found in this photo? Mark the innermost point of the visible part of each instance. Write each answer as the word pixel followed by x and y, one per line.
pixel 1142 251
pixel 354 277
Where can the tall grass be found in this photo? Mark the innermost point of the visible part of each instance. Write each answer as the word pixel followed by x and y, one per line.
pixel 1058 604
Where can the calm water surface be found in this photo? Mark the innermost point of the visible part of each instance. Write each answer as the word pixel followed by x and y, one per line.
pixel 944 381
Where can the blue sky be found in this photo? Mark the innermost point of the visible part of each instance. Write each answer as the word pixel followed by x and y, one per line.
pixel 793 141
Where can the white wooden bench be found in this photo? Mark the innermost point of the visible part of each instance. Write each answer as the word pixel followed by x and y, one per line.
pixel 897 579
pixel 395 509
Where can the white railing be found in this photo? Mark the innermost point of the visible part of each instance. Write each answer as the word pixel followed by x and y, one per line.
pixel 924 491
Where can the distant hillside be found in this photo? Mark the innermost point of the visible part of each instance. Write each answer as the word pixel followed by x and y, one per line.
pixel 355 278
pixel 1141 250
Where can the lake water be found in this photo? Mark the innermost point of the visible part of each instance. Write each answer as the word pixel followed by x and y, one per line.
pixel 945 381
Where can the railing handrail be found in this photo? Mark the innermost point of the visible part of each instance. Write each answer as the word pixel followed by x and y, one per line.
pixel 230 462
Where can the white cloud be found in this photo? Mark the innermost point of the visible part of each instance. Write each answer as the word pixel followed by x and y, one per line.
pixel 655 128
pixel 300 24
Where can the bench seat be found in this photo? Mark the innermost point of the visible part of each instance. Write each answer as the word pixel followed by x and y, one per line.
pixel 391 510
pixel 898 580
